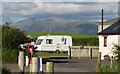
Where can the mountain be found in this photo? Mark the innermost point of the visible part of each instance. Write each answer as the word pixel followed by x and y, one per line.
pixel 53 24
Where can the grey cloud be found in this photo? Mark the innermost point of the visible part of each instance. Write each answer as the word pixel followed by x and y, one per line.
pixel 17 6
pixel 79 10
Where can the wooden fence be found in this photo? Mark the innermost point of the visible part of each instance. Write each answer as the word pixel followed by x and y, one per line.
pixel 84 52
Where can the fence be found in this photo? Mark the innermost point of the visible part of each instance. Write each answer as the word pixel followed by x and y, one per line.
pixel 85 52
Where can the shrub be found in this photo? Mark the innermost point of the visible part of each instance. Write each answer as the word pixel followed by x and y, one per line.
pixel 117 55
pixel 9 55
pixel 12 37
pixel 5 71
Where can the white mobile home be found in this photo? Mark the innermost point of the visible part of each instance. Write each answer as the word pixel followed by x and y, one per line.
pixel 107 38
pixel 53 43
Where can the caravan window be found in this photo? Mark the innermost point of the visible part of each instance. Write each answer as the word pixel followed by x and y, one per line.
pixel 49 41
pixel 64 40
pixel 39 41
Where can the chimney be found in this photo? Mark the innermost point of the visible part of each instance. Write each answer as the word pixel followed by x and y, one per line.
pixel 102 21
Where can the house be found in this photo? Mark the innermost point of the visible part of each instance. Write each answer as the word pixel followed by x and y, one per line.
pixel 108 37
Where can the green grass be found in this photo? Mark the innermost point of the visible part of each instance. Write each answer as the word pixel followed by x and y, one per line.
pixel 50 54
pixel 35 35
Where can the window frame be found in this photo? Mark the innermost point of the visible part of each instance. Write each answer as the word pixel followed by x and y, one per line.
pixel 105 42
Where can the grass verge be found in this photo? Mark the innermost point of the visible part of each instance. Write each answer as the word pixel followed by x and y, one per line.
pixel 50 54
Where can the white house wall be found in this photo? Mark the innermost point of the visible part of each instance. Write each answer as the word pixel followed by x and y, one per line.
pixel 104 27
pixel 111 39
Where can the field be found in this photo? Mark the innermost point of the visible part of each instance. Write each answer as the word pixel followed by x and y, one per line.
pixel 35 35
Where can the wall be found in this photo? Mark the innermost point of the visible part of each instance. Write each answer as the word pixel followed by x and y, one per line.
pixel 85 52
pixel 111 39
pixel 104 27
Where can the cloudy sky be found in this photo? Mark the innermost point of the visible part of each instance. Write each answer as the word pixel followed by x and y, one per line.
pixel 16 10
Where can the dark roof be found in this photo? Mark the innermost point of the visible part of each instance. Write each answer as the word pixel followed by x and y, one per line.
pixel 114 29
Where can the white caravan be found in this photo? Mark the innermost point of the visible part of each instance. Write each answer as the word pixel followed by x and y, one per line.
pixel 53 43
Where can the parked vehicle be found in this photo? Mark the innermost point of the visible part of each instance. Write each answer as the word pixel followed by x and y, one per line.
pixel 53 43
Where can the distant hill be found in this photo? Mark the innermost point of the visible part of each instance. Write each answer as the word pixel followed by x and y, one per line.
pixel 52 24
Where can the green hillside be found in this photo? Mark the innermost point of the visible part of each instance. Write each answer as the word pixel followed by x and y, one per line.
pixel 35 35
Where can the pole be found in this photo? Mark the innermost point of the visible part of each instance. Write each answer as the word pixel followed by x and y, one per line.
pixel 30 62
pixel 102 21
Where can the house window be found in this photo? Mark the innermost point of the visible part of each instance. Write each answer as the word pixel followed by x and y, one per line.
pixel 49 41
pixel 105 41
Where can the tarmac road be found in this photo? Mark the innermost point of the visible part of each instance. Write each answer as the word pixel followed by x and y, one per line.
pixel 61 65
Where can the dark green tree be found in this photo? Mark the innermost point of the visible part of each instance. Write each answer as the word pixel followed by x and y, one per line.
pixel 12 37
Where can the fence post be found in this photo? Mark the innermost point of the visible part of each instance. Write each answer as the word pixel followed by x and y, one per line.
pixel 34 64
pixel 79 53
pixel 99 57
pixel 50 67
pixel 111 63
pixel 69 53
pixel 21 60
pixel 90 53
pixel 98 66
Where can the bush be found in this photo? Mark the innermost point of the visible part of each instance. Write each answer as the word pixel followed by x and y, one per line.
pixel 9 55
pixel 5 71
pixel 109 69
pixel 93 41
pixel 117 55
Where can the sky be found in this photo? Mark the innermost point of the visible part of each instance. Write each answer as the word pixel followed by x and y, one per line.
pixel 16 10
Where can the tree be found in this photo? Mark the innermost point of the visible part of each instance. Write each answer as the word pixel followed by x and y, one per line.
pixel 12 37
